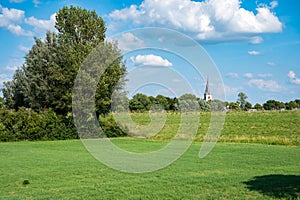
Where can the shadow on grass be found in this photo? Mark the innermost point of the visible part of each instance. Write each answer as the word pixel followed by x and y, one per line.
pixel 276 186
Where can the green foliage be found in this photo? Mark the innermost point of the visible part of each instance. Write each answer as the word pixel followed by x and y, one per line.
pixel 111 128
pixel 257 106
pixel 139 102
pixel 242 100
pixel 234 106
pixel 26 124
pixel 273 105
pixel 47 77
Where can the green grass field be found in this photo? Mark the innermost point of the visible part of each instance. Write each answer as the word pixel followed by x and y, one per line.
pixel 243 165
pixel 65 170
pixel 269 127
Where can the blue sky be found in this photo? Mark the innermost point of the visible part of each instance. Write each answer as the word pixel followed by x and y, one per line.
pixel 255 45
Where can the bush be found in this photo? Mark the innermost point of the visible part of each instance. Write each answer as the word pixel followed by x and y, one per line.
pixel 111 128
pixel 26 124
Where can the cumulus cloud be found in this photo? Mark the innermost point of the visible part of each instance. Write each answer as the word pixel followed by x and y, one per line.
pixel 293 77
pixel 265 85
pixel 206 20
pixel 150 59
pixel 256 40
pixel 18 30
pixel 40 24
pixel 253 53
pixel 248 75
pixel 11 68
pixel 10 18
pixel 128 41
pixel 232 75
pixel 23 48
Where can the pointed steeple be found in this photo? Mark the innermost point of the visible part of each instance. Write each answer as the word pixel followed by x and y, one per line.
pixel 207 95
pixel 207 87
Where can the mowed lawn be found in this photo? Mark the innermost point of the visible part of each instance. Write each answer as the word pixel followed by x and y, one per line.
pixel 65 170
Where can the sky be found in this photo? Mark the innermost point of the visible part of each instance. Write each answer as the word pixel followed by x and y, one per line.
pixel 250 46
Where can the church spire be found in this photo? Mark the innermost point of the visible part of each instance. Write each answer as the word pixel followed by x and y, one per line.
pixel 207 95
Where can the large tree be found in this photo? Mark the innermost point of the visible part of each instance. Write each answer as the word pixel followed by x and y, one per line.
pixel 47 77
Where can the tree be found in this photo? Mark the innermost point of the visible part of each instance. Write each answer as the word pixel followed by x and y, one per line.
pixel 242 100
pixel 139 102
pixel 257 106
pixel 234 106
pixel 47 77
pixel 161 100
pixel 248 105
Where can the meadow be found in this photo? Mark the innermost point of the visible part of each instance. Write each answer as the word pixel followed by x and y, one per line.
pixel 245 164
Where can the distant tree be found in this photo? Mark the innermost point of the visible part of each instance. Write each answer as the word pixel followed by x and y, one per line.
pixel 161 100
pixel 217 105
pixel 173 103
pixel 188 102
pixel 257 106
pixel 204 105
pixel 270 105
pixel 248 105
pixel 139 102
pixel 291 105
pixel 234 106
pixel 242 100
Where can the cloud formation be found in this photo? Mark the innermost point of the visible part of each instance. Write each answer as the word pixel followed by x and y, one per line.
pixel 40 24
pixel 293 77
pixel 253 53
pixel 265 85
pixel 128 41
pixel 150 59
pixel 12 19
pixel 206 20
pixel 248 75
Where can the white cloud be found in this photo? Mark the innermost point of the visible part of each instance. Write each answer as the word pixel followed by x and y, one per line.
pixel 293 77
pixel 273 4
pixel 23 48
pixel 256 40
pixel 18 30
pixel 271 64
pixel 128 41
pixel 248 75
pixel 253 52
pixel 40 24
pixel 232 75
pixel 151 60
pixel 264 75
pixel 11 18
pixel 206 20
pixel 266 85
pixel 11 68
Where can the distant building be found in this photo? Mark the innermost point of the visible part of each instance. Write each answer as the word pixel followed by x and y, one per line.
pixel 207 95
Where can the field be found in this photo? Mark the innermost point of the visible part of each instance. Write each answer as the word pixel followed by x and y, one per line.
pixel 269 127
pixel 237 168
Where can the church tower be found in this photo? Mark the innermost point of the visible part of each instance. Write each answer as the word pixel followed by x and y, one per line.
pixel 207 95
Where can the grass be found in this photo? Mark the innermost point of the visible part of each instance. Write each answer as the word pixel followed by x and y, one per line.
pixel 65 170
pixel 268 127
